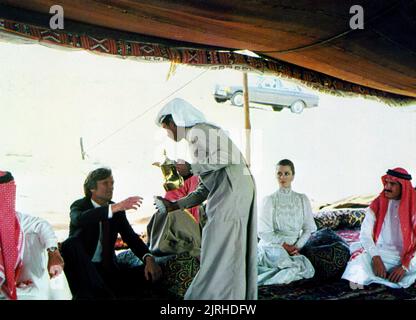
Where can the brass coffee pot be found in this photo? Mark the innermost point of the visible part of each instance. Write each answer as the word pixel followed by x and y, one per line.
pixel 173 180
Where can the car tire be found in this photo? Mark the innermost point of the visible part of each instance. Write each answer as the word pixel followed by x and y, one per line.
pixel 237 99
pixel 277 108
pixel 297 106
pixel 220 100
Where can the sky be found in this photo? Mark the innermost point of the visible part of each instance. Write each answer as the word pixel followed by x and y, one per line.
pixel 51 98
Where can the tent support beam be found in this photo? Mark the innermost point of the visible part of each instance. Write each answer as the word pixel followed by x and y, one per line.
pixel 247 124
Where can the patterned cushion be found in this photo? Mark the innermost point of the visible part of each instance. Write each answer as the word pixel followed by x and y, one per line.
pixel 340 218
pixel 327 219
pixel 352 218
pixel 179 273
pixel 328 253
pixel 178 270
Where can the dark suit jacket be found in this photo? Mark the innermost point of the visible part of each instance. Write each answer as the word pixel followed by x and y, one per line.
pixel 85 225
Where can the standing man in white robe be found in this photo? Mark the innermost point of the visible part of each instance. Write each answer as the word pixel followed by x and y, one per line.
pixel 229 238
pixel 385 253
pixel 25 241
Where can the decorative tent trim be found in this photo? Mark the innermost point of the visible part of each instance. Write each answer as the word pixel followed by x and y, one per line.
pixel 211 58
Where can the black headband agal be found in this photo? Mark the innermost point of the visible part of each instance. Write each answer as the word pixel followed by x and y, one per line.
pixel 6 178
pixel 399 175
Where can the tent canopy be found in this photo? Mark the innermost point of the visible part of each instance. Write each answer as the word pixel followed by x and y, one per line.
pixel 305 34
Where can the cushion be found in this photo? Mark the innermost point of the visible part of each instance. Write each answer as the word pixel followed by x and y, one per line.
pixel 349 235
pixel 340 218
pixel 327 219
pixel 328 253
pixel 179 273
pixel 351 218
pixel 178 270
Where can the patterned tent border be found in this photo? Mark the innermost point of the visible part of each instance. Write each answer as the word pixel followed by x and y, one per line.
pixel 213 59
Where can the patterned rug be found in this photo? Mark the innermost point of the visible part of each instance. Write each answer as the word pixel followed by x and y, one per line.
pixel 337 290
pixel 327 289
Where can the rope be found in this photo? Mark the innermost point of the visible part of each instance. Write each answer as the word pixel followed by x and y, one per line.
pixel 147 110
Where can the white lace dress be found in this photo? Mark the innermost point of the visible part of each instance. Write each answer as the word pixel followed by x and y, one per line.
pixel 286 216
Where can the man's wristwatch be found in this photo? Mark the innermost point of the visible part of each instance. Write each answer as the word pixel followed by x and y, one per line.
pixel 52 249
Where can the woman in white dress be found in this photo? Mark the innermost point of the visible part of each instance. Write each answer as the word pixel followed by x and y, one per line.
pixel 285 225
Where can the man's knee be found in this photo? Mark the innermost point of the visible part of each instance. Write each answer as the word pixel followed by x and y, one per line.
pixel 70 246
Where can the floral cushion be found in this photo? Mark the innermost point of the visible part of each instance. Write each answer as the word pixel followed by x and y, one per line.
pixel 327 219
pixel 179 273
pixel 352 218
pixel 340 218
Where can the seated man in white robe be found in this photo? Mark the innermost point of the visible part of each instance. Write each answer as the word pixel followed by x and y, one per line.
pixel 25 241
pixel 385 253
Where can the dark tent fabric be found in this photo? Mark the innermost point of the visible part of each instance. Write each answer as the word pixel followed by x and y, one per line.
pixel 310 35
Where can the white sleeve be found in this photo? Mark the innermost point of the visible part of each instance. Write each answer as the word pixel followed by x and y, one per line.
pixel 366 233
pixel 309 225
pixel 110 212
pixel 265 223
pixel 40 227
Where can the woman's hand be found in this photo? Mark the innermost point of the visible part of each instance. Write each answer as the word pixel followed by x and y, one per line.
pixel 291 249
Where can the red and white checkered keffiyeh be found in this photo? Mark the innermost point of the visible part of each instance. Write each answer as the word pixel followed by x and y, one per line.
pixel 11 238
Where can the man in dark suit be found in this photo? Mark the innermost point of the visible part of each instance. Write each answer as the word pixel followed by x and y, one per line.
pixel 90 261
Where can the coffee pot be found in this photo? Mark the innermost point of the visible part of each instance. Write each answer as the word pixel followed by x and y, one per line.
pixel 173 180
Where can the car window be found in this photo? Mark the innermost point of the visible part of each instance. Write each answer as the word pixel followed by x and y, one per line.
pixel 290 86
pixel 269 83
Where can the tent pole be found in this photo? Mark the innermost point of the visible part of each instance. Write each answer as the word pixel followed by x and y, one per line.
pixel 247 125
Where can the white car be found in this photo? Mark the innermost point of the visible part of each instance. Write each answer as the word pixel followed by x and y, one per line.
pixel 270 91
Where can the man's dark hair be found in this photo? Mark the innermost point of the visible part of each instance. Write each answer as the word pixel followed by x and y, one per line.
pixel 167 120
pixel 287 162
pixel 92 178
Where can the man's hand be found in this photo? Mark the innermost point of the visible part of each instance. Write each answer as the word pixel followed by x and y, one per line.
pixel 152 270
pixel 55 264
pixel 127 204
pixel 291 250
pixel 397 274
pixel 183 168
pixel 170 206
pixel 23 284
pixel 378 267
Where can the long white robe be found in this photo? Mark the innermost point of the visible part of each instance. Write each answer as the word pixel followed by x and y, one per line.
pixel 389 246
pixel 286 217
pixel 39 236
pixel 229 237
